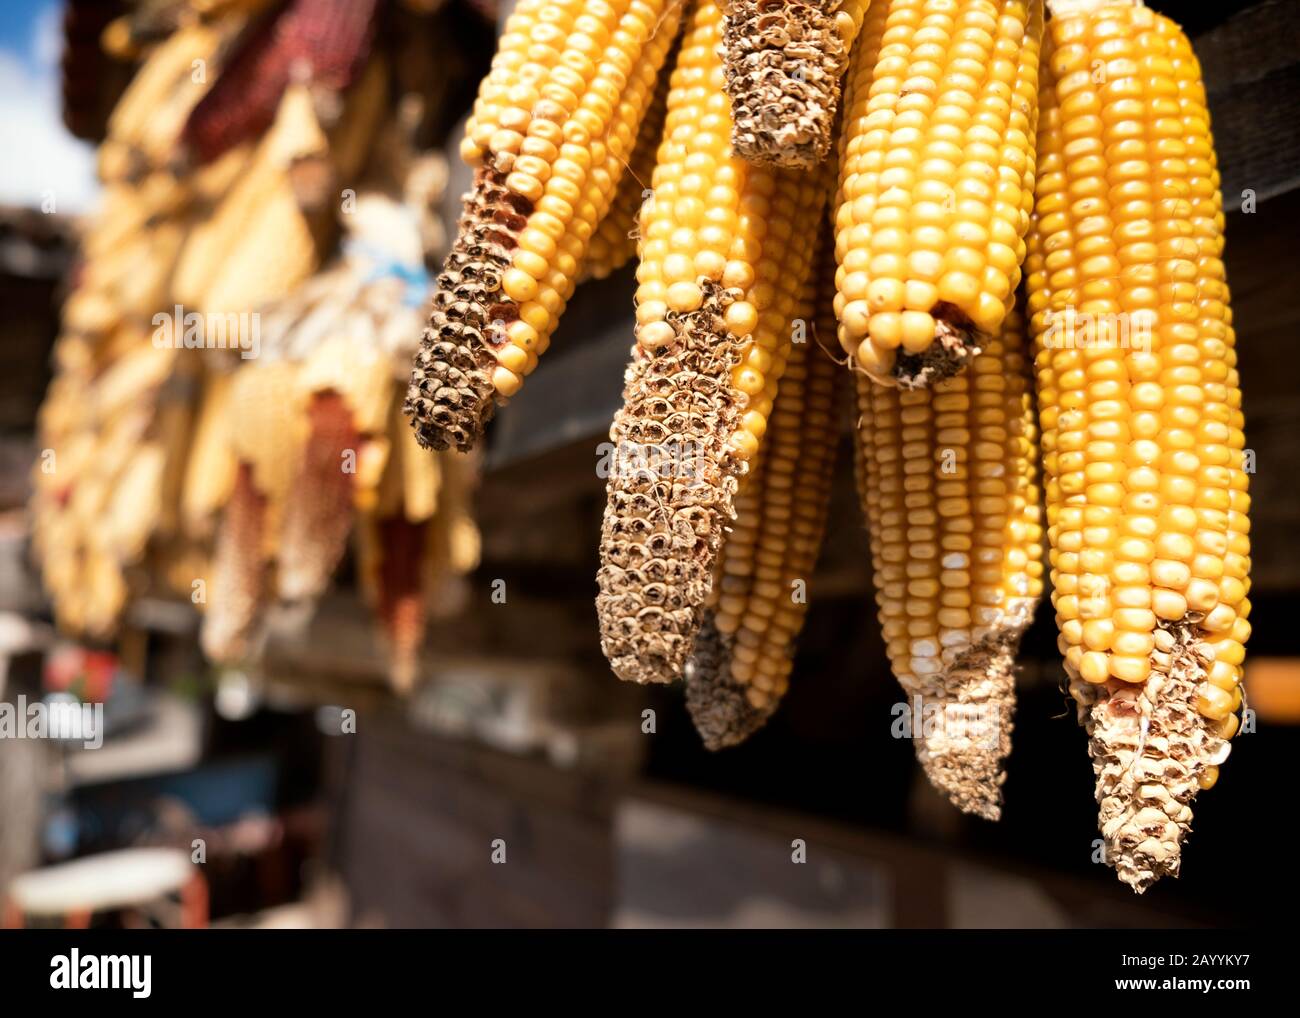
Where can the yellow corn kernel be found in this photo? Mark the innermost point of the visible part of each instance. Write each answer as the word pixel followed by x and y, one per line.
pixel 613 244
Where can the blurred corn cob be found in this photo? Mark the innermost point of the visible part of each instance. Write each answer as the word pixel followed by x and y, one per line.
pixel 266 439
pixel 318 515
pixel 145 124
pixel 258 243
pixel 210 467
pixel 350 327
pixel 148 444
pixel 414 551
pixel 322 42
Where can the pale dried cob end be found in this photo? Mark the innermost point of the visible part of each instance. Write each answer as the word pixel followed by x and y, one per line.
pixel 721 708
pixel 239 568
pixel 744 654
pixel 318 510
pixel 666 510
pixel 976 699
pixel 452 395
pixel 784 60
pixel 1152 751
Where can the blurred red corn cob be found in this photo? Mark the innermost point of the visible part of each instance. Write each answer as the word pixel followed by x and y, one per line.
pixel 326 39
pixel 318 513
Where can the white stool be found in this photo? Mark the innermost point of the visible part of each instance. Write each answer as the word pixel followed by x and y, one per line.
pixel 128 879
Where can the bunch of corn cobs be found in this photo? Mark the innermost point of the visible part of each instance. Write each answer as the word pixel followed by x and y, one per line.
pixel 889 174
pixel 225 411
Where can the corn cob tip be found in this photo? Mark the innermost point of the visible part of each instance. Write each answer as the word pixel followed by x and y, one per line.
pixel 454 382
pixel 665 511
pixel 783 67
pixel 403 670
pixel 401 604
pixel 956 344
pixel 720 707
pixel 1151 748
pixel 966 733
pixel 451 397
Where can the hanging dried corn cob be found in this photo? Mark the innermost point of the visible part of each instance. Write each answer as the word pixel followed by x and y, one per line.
pixel 238 578
pixel 952 504
pixel 613 244
pixel 325 42
pixel 261 242
pixel 554 122
pixel 117 420
pixel 266 443
pixel 936 182
pixel 98 487
pixel 391 550
pixel 741 663
pixel 210 467
pixel 416 544
pixel 784 62
pixel 167 81
pixel 724 256
pixel 258 243
pixel 318 515
pixel 1142 424
pixel 350 327
pixel 454 543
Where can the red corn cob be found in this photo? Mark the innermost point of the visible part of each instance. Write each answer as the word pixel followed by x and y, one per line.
pixel 328 38
pixel 318 513
pixel 401 599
